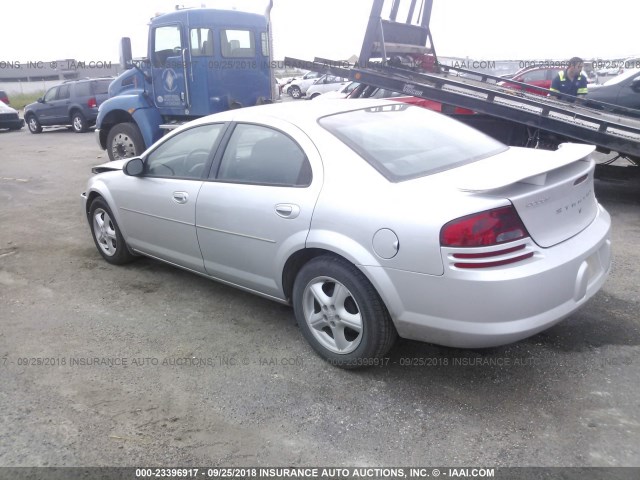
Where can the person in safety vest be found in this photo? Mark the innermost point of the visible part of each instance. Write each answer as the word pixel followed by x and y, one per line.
pixel 570 81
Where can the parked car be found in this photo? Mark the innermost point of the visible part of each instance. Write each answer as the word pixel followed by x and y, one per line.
pixel 73 103
pixel 368 91
pixel 9 118
pixel 539 76
pixel 326 83
pixel 623 90
pixel 298 88
pixel 283 84
pixel 4 97
pixel 344 92
pixel 372 218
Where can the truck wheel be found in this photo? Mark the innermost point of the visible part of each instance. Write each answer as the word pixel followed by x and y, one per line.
pixel 79 123
pixel 124 141
pixel 33 124
pixel 295 91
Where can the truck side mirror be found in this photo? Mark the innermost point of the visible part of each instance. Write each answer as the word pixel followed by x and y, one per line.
pixel 125 53
pixel 635 85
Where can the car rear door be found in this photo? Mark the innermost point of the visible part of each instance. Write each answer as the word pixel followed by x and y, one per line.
pixel 257 209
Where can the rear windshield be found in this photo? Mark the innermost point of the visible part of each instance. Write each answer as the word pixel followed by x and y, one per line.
pixel 404 142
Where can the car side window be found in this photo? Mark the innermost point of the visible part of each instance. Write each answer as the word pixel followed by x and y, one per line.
pixel 533 76
pixel 82 89
pixel 63 92
pixel 51 94
pixel 264 156
pixel 185 155
pixel 201 42
pixel 101 87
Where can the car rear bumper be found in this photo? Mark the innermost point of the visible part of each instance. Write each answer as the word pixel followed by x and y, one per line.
pixel 501 305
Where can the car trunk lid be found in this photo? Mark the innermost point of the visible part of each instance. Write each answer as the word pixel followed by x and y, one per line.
pixel 552 191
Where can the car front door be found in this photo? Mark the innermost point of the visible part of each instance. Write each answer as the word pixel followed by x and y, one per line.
pixel 257 209
pixel 158 208
pixel 49 109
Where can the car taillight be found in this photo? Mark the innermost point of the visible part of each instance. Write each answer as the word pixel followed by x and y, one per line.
pixel 92 103
pixel 484 229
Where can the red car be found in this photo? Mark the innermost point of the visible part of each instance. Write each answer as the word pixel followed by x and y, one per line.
pixel 541 76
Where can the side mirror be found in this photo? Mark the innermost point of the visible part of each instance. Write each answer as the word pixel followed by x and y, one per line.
pixel 134 167
pixel 125 53
pixel 635 85
pixel 40 100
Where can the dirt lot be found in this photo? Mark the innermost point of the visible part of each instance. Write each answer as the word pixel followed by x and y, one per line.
pixel 150 365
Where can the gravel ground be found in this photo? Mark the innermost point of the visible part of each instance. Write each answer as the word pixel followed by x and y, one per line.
pixel 149 365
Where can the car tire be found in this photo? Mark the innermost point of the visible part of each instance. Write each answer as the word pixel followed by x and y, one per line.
pixel 340 313
pixel 107 235
pixel 124 141
pixel 295 91
pixel 33 124
pixel 79 123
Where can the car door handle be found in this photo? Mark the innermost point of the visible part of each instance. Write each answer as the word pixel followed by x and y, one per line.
pixel 287 210
pixel 180 197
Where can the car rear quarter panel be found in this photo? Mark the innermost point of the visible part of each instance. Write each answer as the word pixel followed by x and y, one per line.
pixel 357 201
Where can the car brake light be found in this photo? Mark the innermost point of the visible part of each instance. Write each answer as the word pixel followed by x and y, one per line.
pixel 484 229
pixel 92 103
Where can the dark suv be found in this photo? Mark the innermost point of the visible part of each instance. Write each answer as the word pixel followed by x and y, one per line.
pixel 73 103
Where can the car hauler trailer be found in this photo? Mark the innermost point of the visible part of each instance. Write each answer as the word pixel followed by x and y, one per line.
pixel 399 56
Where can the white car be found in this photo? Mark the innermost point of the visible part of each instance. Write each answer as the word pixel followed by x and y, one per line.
pixel 298 88
pixel 344 92
pixel 9 118
pixel 326 83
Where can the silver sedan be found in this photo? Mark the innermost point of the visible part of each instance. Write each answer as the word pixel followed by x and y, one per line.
pixel 373 219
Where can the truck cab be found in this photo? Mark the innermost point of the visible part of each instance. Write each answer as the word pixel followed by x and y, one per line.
pixel 199 62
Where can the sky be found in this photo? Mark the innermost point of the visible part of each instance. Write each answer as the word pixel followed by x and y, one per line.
pixel 89 30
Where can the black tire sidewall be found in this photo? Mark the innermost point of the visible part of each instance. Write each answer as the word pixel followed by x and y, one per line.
pixel 122 254
pixel 83 122
pixel 130 129
pixel 38 128
pixel 372 310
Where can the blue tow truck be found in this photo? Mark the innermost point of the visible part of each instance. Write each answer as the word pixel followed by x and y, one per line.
pixel 200 61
